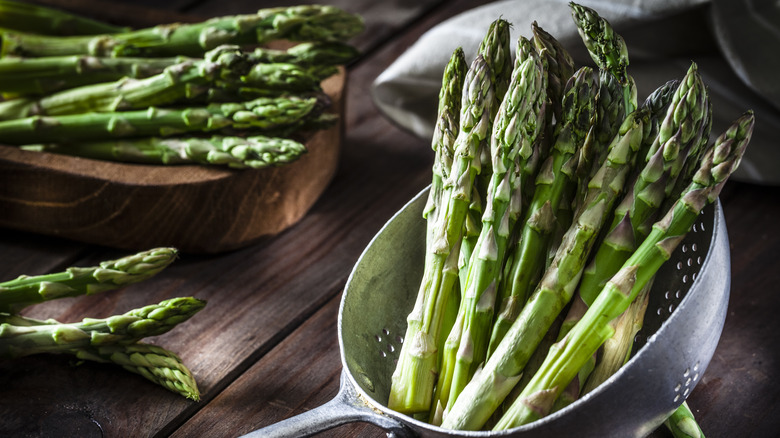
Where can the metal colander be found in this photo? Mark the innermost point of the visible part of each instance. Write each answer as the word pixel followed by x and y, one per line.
pixel 682 326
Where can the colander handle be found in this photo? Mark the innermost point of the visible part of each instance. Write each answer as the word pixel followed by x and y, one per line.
pixel 345 407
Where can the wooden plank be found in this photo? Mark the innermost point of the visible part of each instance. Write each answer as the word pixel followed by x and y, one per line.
pixel 300 374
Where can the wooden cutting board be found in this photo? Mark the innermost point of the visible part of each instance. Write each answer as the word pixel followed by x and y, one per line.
pixel 196 209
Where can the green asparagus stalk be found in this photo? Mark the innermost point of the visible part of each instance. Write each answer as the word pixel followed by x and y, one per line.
pixel 308 54
pixel 260 115
pixel 682 423
pixel 296 23
pixel 657 103
pixel 443 141
pixel 679 136
pixel 567 356
pixel 187 79
pixel 617 349
pixel 154 363
pixel 610 113
pixel 41 337
pixel 606 47
pixel 36 76
pixel 444 134
pixel 226 67
pixel 487 391
pixel 470 228
pixel 253 152
pixel 414 377
pixel 112 274
pixel 632 220
pixel 560 67
pixel 554 181
pixel 519 123
pixel 29 17
pixel 496 48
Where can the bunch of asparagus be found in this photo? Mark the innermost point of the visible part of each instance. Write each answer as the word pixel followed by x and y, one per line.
pixel 116 339
pixel 209 93
pixel 554 201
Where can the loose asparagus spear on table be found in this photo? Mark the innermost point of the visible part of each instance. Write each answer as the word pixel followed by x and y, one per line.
pixel 36 337
pixel 296 23
pixel 27 290
pixel 154 363
pixel 566 357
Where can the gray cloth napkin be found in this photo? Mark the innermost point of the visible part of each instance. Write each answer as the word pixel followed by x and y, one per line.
pixel 734 44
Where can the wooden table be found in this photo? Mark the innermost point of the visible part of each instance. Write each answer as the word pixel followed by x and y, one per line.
pixel 265 348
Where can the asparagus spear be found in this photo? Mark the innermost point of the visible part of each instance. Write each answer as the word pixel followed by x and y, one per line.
pixel 263 114
pixel 236 152
pixel 42 337
pixel 567 356
pixel 27 76
pixel 295 23
pixel 682 423
pixel 412 382
pixel 225 66
pixel 485 392
pixel 606 47
pixel 555 179
pixel 29 17
pixel 560 67
pixel 519 123
pixel 308 54
pixel 617 349
pixel 445 132
pixel 154 363
pixel 111 274
pixel 495 47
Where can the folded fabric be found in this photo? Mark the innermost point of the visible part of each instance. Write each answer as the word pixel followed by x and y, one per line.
pixel 663 38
